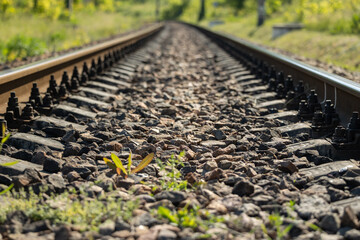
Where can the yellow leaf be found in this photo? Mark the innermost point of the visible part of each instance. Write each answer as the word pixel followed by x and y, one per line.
pixel 3 129
pixel 5 138
pixel 129 163
pixel 110 164
pixel 143 163
pixel 7 189
pixel 118 163
pixel 9 163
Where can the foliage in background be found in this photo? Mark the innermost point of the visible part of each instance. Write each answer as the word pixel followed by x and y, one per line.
pixel 32 27
pixel 333 16
pixel 54 28
pixel 21 46
pixel 173 9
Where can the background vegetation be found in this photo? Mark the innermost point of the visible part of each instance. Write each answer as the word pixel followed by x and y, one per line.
pixel 32 27
pixel 331 27
pixel 333 16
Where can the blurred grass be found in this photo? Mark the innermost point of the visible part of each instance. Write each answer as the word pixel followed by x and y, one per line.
pixel 339 49
pixel 330 31
pixel 25 34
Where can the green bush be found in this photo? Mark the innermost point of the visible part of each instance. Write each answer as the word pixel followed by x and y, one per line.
pixel 355 23
pixel 174 9
pixel 21 46
pixel 68 208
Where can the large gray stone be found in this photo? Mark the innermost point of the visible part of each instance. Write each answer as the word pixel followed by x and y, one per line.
pixel 97 93
pixel 18 168
pixel 321 145
pixel 294 129
pixel 278 103
pixel 29 141
pixel 45 121
pixel 63 110
pixel 327 168
pixel 88 101
pixel 174 196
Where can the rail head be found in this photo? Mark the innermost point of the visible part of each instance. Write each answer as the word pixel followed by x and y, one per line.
pixel 68 59
pixel 339 82
pixel 20 80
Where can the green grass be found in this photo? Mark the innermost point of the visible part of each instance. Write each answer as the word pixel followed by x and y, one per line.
pixel 173 176
pixel 330 34
pixel 192 218
pixel 340 50
pixel 86 214
pixel 24 34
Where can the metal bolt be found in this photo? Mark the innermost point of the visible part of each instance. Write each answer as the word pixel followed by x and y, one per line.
pixel 35 96
pixel 85 69
pixel 354 120
pixel 280 77
pixel 75 74
pixel 28 112
pixel 99 68
pixel 47 101
pixel 313 102
pixel 84 78
pixel 65 80
pixel 53 87
pixel 62 90
pixel 13 105
pixel 289 84
pixel 318 119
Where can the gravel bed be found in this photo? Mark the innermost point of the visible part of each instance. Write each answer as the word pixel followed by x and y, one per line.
pixel 239 176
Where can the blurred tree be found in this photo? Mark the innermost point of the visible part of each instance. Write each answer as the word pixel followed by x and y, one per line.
pixel 202 11
pixel 105 5
pixel 174 9
pixel 157 9
pixel 236 4
pixel 261 12
pixel 4 5
pixel 69 4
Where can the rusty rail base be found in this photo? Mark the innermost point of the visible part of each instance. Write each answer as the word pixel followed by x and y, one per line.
pixel 20 80
pixel 344 93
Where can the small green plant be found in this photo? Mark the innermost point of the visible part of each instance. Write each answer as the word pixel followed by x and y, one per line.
pixel 173 181
pixel 191 218
pixel 292 205
pixel 117 165
pixel 276 221
pixel 291 209
pixel 3 140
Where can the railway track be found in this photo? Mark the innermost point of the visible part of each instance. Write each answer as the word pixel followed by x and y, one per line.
pixel 255 166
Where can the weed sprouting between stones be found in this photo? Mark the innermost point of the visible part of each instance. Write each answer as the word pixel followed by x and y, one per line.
pixel 172 179
pixel 84 213
pixel 189 217
pixel 277 230
pixel 117 165
pixel 276 222
pixel 3 140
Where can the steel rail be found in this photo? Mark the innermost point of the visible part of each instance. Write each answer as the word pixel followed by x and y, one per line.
pixel 344 93
pixel 20 79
